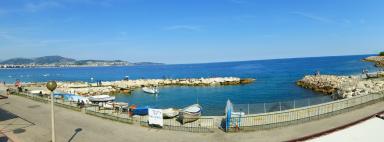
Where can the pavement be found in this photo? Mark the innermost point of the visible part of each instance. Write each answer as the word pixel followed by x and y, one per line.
pixel 366 131
pixel 24 120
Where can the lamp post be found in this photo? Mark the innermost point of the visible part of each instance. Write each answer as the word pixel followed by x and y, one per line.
pixel 51 85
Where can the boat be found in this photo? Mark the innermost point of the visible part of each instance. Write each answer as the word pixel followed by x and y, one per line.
pixel 150 90
pixel 190 113
pixel 101 98
pixel 372 75
pixel 170 113
pixel 140 111
pixel 118 105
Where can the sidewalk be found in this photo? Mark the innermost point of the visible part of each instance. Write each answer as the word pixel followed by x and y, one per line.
pixel 90 128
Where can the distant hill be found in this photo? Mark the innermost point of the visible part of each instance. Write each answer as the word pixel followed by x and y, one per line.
pixel 62 61
pixel 18 61
pixel 52 60
pixel 40 60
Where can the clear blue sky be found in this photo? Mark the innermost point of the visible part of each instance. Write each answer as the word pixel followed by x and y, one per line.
pixel 190 31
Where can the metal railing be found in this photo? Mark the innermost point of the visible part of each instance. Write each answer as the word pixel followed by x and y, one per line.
pixel 280 106
pixel 201 125
pixel 115 115
pixel 300 115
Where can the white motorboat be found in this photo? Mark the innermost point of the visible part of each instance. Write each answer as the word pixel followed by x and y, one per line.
pixel 150 90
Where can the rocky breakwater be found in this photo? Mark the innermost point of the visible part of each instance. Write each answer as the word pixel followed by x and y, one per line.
pixel 327 84
pixel 342 86
pixel 361 87
pixel 124 86
pixel 84 88
pixel 180 82
pixel 378 60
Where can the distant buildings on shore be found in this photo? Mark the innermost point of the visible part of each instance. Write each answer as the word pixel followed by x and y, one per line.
pixel 58 61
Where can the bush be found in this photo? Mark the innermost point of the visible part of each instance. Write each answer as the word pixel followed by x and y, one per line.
pixel 381 54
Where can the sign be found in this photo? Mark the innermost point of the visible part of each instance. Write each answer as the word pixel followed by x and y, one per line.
pixel 155 117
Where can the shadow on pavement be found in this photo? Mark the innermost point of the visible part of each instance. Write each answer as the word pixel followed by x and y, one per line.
pixel 73 136
pixel 6 115
pixel 9 122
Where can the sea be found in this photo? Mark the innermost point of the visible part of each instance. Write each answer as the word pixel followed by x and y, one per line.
pixel 275 80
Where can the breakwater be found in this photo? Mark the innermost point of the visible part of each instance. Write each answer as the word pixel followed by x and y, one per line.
pixel 378 60
pixel 342 86
pixel 125 86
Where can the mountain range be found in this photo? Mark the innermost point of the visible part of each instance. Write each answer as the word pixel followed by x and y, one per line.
pixel 63 61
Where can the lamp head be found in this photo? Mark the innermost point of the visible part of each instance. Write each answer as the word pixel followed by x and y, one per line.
pixel 51 85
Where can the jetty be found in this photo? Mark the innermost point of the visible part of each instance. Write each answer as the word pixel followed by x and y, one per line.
pixel 378 60
pixel 343 86
pixel 126 86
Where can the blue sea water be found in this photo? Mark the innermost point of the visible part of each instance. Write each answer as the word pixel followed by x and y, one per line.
pixel 275 80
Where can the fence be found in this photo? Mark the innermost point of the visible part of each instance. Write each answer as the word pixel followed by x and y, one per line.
pixel 115 115
pixel 201 125
pixel 299 115
pixel 280 106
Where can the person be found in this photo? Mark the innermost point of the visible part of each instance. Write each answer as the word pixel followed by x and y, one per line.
pixel 18 85
pixel 82 104
pixel 8 92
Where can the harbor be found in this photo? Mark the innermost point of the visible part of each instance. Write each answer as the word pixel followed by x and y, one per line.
pixel 103 99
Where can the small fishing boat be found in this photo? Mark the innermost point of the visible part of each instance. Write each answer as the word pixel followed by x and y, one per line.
pixel 150 90
pixel 372 75
pixel 190 113
pixel 170 113
pixel 140 111
pixel 101 98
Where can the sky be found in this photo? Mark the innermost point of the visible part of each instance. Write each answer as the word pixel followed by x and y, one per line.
pixel 190 31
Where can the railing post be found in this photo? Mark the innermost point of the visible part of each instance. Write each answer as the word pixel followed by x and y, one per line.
pixel 294 104
pixel 280 105
pixel 309 102
pixel 248 109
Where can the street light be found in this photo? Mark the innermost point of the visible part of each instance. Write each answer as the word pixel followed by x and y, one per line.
pixel 51 85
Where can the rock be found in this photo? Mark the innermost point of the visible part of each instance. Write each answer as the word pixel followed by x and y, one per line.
pixel 247 80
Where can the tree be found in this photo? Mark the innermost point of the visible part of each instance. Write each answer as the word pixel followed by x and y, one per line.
pixel 381 53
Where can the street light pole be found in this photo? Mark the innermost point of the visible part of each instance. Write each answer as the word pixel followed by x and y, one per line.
pixel 51 85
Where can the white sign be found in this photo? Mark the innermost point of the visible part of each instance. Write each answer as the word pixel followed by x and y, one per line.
pixel 155 117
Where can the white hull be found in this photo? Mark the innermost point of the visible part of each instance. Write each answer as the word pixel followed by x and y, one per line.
pixel 190 113
pixel 170 113
pixel 150 90
pixel 101 98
